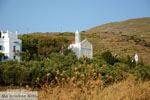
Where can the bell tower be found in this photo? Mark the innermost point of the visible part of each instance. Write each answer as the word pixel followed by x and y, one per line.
pixel 77 37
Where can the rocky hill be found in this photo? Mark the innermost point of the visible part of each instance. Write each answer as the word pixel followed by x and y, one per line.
pixel 122 38
pixel 133 27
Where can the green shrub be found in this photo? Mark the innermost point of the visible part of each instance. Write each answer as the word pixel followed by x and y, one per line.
pixel 111 74
pixel 142 72
pixel 14 73
pixel 109 58
pixel 25 55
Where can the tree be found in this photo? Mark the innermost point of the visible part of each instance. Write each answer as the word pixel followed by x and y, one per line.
pixel 109 58
pixel 1 56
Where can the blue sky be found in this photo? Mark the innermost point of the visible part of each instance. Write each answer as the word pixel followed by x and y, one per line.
pixel 67 15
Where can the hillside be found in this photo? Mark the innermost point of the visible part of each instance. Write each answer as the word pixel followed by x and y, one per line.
pixel 122 38
pixel 133 27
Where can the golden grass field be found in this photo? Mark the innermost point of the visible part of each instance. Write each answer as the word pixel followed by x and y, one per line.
pixel 128 89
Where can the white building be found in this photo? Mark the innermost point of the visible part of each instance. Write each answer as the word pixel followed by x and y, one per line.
pixel 83 48
pixel 10 45
pixel 136 58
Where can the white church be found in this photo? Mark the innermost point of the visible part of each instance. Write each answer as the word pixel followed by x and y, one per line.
pixel 81 48
pixel 10 45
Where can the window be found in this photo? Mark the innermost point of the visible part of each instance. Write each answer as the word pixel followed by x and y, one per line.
pixel 14 48
pixel 5 57
pixel 1 47
pixel 14 57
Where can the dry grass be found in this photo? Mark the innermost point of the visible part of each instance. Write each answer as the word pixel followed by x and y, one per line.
pixel 118 45
pixel 125 90
pixel 110 37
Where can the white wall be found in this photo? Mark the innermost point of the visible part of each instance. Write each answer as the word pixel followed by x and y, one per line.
pixel 8 40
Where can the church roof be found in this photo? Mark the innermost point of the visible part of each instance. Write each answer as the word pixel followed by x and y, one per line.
pixel 85 40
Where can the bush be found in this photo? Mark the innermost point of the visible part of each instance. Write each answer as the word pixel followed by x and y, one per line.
pixel 14 73
pixel 142 72
pixel 35 70
pixel 35 46
pixel 109 58
pixel 111 74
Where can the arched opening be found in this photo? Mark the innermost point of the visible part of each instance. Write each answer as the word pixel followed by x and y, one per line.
pixel 1 47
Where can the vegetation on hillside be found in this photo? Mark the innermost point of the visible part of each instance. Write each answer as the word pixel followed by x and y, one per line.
pixel 38 46
pixel 46 60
